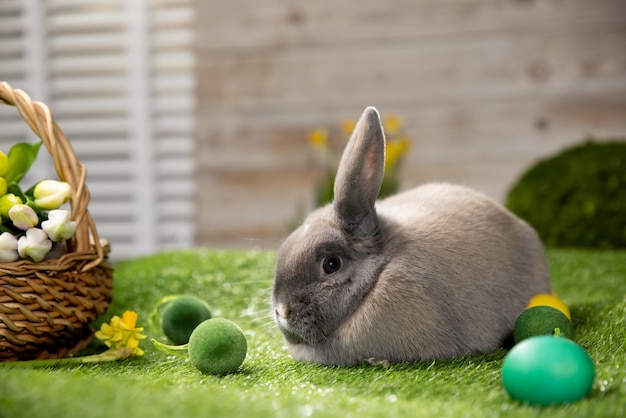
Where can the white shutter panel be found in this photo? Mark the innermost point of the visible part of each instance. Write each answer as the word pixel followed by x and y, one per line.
pixel 173 87
pixel 22 66
pixel 88 96
pixel 128 110
pixel 12 67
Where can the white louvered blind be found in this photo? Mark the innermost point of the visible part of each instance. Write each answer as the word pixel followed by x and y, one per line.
pixel 119 78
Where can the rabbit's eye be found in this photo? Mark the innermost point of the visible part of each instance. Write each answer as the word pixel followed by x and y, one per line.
pixel 331 264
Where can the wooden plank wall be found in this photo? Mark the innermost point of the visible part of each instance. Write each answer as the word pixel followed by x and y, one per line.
pixel 485 87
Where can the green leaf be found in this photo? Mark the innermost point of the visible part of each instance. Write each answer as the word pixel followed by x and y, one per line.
pixel 112 354
pixel 10 228
pixel 21 157
pixel 176 350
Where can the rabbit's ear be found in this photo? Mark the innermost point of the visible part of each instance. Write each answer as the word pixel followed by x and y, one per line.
pixel 360 174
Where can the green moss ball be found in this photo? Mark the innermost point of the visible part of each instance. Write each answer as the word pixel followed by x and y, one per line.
pixel 181 316
pixel 542 320
pixel 217 346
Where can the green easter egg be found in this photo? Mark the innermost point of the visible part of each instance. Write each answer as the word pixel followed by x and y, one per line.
pixel 181 316
pixel 542 320
pixel 546 370
pixel 217 346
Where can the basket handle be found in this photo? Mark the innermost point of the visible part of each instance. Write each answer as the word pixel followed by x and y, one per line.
pixel 69 169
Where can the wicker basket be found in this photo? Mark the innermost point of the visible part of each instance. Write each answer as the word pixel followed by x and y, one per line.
pixel 46 307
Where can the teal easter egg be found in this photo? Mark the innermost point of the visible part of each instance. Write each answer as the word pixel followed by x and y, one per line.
pixel 546 370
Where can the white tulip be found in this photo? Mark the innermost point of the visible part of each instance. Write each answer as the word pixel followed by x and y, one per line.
pixel 23 216
pixel 59 226
pixel 35 245
pixel 8 248
pixel 51 194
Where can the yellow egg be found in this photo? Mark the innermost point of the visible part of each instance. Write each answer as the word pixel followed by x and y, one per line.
pixel 549 300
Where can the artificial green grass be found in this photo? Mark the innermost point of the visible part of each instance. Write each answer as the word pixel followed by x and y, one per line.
pixel 271 384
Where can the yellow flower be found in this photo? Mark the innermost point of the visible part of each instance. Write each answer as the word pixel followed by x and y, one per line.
pixel 392 124
pixel 319 138
pixel 121 332
pixel 347 126
pixel 395 150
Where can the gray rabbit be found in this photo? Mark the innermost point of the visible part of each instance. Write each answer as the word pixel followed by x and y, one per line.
pixel 435 272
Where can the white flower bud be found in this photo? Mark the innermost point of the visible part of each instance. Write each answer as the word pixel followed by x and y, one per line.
pixel 35 244
pixel 8 248
pixel 23 216
pixel 51 194
pixel 59 226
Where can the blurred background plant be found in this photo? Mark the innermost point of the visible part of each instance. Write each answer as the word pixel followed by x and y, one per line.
pixel 329 143
pixel 577 197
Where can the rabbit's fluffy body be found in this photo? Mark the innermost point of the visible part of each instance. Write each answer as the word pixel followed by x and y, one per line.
pixel 435 272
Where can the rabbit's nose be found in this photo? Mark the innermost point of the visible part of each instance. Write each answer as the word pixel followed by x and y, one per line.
pixel 280 315
pixel 281 311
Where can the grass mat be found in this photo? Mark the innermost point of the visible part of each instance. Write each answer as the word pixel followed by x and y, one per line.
pixel 270 384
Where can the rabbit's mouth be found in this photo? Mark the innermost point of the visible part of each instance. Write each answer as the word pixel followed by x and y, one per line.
pixel 292 337
pixel 281 321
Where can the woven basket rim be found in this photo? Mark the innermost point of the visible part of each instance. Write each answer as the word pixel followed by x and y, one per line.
pixel 85 247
